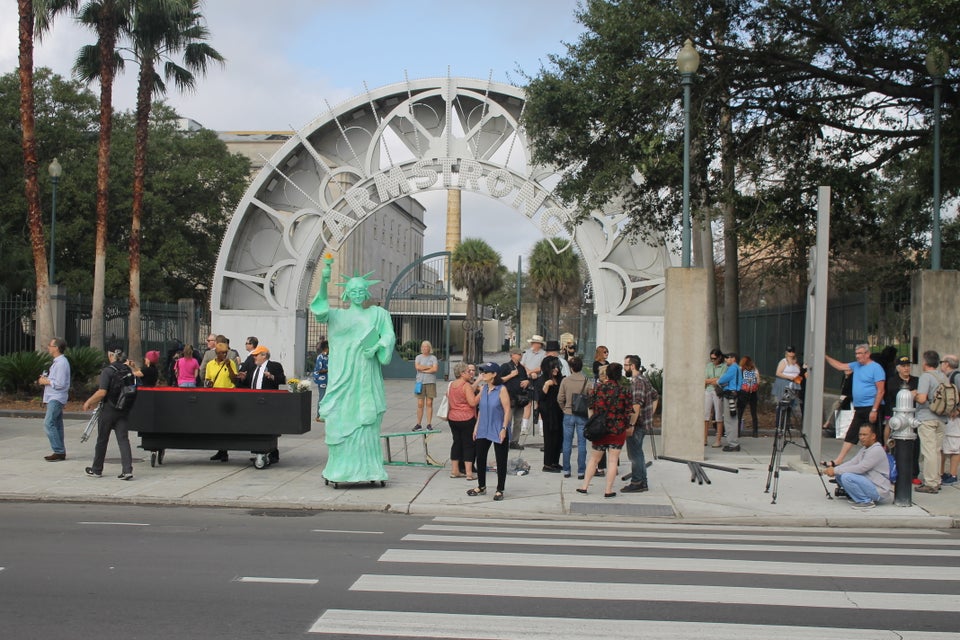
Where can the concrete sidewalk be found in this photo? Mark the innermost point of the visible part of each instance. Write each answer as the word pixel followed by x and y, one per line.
pixel 187 477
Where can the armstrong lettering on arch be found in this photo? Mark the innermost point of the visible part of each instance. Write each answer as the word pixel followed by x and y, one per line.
pixel 522 193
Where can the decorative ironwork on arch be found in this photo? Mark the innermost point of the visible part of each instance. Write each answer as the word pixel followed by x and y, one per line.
pixel 395 142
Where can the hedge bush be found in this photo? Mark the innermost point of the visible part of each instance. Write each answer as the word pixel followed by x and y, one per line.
pixel 19 371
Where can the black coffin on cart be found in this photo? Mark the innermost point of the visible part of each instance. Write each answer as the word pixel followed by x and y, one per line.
pixel 228 419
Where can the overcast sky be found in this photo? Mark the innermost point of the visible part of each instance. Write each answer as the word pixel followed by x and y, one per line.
pixel 285 58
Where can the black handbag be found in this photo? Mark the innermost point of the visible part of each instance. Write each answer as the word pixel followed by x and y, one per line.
pixel 596 426
pixel 580 404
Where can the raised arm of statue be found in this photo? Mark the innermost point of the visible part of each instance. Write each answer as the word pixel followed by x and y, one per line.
pixel 320 306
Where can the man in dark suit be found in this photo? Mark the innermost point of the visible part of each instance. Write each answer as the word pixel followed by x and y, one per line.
pixel 248 364
pixel 266 374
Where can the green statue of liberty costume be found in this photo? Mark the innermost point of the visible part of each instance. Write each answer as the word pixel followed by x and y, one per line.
pixel 361 341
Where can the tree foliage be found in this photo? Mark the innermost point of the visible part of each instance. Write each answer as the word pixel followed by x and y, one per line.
pixel 159 32
pixel 555 277
pixel 192 186
pixel 476 268
pixel 813 92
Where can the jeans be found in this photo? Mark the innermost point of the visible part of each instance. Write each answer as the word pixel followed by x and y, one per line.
pixel 860 489
pixel 574 424
pixel 638 462
pixel 53 425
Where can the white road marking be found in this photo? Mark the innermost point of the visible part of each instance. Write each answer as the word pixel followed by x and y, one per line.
pixel 305 581
pixel 841 532
pixel 119 524
pixel 482 627
pixel 689 534
pixel 656 592
pixel 671 564
pixel 370 533
pixel 687 546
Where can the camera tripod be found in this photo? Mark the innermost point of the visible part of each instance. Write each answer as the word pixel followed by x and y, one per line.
pixel 783 437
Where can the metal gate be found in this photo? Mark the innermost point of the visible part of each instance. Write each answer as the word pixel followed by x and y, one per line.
pixel 419 304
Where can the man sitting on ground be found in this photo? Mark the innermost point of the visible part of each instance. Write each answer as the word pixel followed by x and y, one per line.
pixel 866 478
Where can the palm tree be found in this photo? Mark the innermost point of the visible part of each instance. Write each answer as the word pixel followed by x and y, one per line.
pixel 554 276
pixel 475 267
pixel 110 19
pixel 44 329
pixel 159 31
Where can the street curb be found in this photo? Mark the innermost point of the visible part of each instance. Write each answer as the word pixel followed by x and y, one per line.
pixel 438 510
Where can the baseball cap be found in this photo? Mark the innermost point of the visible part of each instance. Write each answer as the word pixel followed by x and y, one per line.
pixel 903 360
pixel 488 367
pixel 259 349
pixel 790 349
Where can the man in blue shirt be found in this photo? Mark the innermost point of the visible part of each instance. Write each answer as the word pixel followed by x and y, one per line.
pixel 56 384
pixel 730 382
pixel 869 385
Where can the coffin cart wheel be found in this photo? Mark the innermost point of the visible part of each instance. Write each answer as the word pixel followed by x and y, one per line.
pixel 156 457
pixel 262 461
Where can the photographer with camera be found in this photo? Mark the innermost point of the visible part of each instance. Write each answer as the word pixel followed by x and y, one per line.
pixel 729 383
pixel 115 408
pixel 514 376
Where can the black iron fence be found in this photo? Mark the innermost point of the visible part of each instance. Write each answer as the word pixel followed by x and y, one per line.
pixel 880 319
pixel 163 324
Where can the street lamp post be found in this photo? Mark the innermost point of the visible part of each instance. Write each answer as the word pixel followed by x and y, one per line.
pixel 937 63
pixel 688 60
pixel 55 172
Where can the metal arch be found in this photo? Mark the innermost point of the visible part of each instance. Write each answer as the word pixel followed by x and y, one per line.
pixel 310 194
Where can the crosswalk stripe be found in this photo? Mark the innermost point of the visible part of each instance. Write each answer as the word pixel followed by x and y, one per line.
pixel 589 530
pixel 304 581
pixel 844 532
pixel 692 546
pixel 671 564
pixel 493 627
pixel 655 592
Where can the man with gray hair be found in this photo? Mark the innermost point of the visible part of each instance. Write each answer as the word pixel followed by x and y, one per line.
pixel 930 429
pixel 869 385
pixel 56 388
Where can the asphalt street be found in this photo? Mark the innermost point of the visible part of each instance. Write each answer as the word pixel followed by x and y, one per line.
pixel 122 571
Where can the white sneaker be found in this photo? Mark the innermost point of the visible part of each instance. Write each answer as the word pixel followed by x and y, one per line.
pixel 863 506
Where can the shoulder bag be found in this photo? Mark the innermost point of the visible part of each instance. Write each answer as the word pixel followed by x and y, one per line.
pixel 444 409
pixel 581 402
pixel 596 426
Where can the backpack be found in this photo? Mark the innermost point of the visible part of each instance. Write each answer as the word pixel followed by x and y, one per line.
pixel 946 397
pixel 123 388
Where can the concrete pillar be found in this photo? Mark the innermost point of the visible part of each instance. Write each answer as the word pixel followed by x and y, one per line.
pixel 934 323
pixel 685 350
pixel 58 307
pixel 188 318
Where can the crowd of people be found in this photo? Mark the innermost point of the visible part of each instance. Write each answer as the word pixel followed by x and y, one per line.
pixel 491 405
pixel 541 387
pixel 218 366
